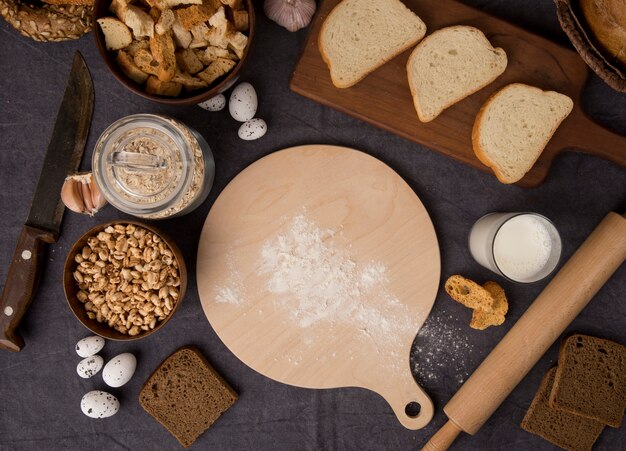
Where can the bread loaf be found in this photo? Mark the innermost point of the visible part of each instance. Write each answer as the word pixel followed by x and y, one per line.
pixel 607 21
pixel 358 36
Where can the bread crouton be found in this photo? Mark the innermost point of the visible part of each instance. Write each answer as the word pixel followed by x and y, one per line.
pixel 182 37
pixel 139 21
pixel 237 41
pixel 212 53
pixel 162 48
pixel 137 44
pixel 240 19
pixel 188 61
pixel 116 34
pixel 200 35
pixel 193 15
pixel 118 7
pixel 143 60
pixel 188 81
pixel 216 69
pixel 128 66
pixel 165 22
pixel 162 88
pixel 218 18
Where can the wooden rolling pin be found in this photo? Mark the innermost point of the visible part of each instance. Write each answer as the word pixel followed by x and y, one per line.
pixel 540 326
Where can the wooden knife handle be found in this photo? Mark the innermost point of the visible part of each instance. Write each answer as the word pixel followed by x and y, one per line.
pixel 21 284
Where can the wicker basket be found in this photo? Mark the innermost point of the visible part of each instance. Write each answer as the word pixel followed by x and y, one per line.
pixel 573 24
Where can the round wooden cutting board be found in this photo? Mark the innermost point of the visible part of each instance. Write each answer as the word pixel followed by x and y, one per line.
pixel 317 266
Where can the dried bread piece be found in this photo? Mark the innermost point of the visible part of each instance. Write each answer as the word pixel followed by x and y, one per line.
pixel 186 395
pixel 165 22
pixel 237 41
pixel 69 2
pixel 240 20
pixel 450 64
pixel 118 7
pixel 188 81
pixel 469 293
pixel 162 48
pixel 136 45
pixel 216 69
pixel 188 61
pixel 482 319
pixel 569 431
pixel 591 379
pixel 128 66
pixel 234 4
pixel 514 126
pixel 358 36
pixel 116 33
pixel 156 86
pixel 139 21
pixel 143 60
pixel 193 15
pixel 182 37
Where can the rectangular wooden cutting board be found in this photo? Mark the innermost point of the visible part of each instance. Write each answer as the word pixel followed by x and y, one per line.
pixel 383 98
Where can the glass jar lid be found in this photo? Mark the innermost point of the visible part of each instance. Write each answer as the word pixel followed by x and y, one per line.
pixel 143 163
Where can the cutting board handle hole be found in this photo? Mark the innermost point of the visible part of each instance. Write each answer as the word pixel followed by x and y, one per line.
pixel 412 409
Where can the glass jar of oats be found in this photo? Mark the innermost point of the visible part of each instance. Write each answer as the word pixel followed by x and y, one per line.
pixel 153 166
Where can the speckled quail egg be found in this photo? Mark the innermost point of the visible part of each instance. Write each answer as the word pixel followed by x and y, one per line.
pixel 216 103
pixel 89 346
pixel 119 369
pixel 89 366
pixel 252 129
pixel 243 102
pixel 99 404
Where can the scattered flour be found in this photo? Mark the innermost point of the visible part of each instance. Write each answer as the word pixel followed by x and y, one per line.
pixel 317 281
pixel 441 350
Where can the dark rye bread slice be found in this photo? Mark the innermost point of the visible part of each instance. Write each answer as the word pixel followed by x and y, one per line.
pixel 591 379
pixel 186 395
pixel 564 429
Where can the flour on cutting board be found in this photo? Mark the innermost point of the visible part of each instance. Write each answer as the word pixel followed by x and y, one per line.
pixel 315 280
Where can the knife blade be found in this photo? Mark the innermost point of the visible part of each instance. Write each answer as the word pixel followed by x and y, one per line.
pixel 64 154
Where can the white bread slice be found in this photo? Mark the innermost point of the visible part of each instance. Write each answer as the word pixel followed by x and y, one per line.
pixel 358 36
pixel 116 34
pixel 449 65
pixel 514 126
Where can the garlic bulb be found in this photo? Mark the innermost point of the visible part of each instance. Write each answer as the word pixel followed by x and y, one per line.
pixel 291 14
pixel 81 194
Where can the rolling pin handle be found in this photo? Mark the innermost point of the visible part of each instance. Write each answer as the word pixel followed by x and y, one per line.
pixel 443 438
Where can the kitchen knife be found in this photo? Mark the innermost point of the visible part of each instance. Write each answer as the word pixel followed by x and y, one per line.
pixel 63 157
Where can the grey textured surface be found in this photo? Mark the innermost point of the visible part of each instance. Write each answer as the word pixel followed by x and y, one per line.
pixel 39 389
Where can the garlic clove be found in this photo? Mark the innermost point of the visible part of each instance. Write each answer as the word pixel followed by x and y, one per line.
pixel 291 14
pixel 81 194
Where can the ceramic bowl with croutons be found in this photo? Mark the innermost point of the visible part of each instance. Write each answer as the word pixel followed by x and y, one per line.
pixel 124 280
pixel 177 52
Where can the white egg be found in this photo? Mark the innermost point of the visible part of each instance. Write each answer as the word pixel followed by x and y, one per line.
pixel 216 103
pixel 89 366
pixel 243 102
pixel 119 370
pixel 253 129
pixel 89 346
pixel 99 404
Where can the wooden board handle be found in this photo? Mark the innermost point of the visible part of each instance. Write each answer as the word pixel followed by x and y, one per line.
pixel 590 137
pixel 21 284
pixel 402 393
pixel 539 327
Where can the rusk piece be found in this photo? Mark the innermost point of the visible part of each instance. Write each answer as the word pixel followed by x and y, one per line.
pixel 449 65
pixel 569 431
pixel 482 319
pixel 591 379
pixel 116 33
pixel 186 395
pixel 469 293
pixel 358 36
pixel 514 126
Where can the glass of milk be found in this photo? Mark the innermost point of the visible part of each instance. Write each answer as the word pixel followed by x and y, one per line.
pixel 523 247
